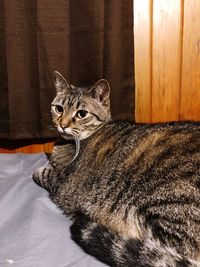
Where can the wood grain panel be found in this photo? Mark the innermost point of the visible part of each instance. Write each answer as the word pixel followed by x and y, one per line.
pixel 7 151
pixel 167 36
pixel 36 148
pixel 190 95
pixel 22 147
pixel 142 45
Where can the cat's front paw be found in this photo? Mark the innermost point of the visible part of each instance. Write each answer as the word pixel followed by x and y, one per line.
pixel 38 175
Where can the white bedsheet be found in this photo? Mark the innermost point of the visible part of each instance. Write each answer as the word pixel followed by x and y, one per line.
pixel 33 231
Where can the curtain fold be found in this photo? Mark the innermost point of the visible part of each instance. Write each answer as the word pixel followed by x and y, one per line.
pixel 84 40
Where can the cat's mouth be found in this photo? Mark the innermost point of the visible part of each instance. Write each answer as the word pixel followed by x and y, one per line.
pixel 66 133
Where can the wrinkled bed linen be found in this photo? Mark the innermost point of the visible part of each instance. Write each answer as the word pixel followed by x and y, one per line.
pixel 33 231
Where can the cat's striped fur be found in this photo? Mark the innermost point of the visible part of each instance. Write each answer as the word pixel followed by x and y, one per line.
pixel 133 191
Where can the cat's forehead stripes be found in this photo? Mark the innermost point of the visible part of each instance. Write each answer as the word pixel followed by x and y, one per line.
pixel 78 104
pixel 74 97
pixel 71 100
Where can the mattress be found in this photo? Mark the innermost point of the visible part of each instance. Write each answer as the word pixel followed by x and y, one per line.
pixel 33 230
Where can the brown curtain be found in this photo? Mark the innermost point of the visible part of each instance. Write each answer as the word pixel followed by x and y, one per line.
pixel 84 40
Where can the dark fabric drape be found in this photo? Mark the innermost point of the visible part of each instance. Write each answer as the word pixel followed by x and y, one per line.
pixel 84 40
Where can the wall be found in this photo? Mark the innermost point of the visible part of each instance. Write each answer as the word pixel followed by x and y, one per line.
pixel 167 60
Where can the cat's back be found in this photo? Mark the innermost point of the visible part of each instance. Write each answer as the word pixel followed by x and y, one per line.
pixel 140 161
pixel 144 159
pixel 129 143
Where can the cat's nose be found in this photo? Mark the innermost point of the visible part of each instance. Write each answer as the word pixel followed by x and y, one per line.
pixel 63 126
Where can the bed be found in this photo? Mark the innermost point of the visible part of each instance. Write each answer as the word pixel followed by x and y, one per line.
pixel 33 231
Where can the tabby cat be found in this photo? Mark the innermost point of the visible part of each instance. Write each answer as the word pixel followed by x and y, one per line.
pixel 132 190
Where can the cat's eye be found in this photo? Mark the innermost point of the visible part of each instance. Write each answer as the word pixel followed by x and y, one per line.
pixel 81 114
pixel 58 109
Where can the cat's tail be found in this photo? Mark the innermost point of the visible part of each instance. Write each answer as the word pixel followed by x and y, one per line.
pixel 117 251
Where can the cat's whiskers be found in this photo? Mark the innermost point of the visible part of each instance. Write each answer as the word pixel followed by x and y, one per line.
pixel 75 132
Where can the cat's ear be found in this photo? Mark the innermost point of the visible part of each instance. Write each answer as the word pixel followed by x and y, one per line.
pixel 101 91
pixel 60 83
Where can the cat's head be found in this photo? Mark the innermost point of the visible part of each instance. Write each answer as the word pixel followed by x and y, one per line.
pixel 80 111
